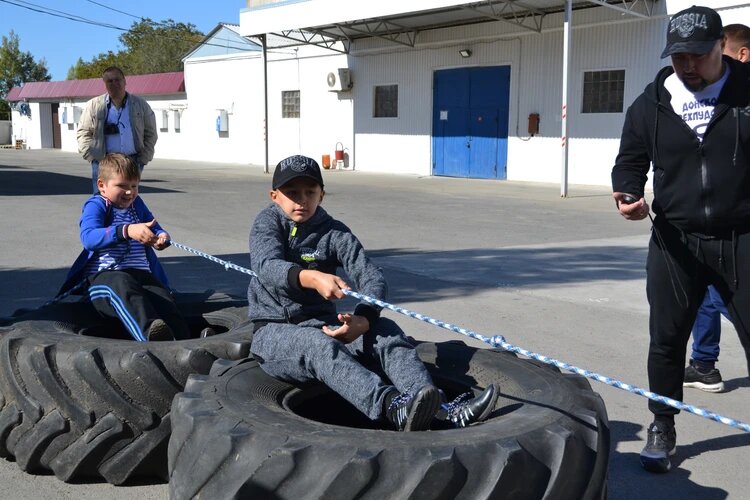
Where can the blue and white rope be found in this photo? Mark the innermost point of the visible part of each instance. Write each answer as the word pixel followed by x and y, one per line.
pixel 498 341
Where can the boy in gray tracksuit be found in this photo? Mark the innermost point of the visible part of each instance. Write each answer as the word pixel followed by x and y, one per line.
pixel 295 249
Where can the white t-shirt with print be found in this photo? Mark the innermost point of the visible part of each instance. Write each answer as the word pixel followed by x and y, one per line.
pixel 695 108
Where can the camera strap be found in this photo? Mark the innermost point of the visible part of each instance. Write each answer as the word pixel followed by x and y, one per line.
pixel 119 111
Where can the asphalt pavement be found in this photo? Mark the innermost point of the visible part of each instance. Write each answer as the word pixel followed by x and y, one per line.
pixel 561 276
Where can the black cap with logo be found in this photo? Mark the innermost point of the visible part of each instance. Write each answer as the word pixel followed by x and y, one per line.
pixel 293 167
pixel 693 31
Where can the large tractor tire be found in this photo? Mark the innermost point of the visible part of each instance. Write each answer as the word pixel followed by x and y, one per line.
pixel 85 406
pixel 238 433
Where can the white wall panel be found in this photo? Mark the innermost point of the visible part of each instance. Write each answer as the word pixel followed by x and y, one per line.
pixel 237 85
pixel 21 127
pixel 213 85
pixel 34 125
pixel 68 139
pixel 325 117
pixel 536 87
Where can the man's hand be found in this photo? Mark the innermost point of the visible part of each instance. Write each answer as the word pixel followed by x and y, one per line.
pixel 631 210
pixel 329 286
pixel 142 233
pixel 353 327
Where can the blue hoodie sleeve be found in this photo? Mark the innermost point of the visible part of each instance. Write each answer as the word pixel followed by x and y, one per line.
pixel 96 233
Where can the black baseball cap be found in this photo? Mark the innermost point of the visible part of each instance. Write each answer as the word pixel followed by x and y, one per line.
pixel 293 167
pixel 693 31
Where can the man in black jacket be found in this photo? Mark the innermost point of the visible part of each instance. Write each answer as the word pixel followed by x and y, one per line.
pixel 693 124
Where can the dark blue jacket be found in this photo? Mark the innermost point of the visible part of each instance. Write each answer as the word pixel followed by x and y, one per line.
pixel 98 232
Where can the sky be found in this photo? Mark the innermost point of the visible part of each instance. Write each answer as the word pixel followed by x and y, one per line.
pixel 62 41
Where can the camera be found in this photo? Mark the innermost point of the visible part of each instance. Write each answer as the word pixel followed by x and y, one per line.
pixel 111 128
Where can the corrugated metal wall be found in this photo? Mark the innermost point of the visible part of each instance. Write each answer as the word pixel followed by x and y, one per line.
pixel 403 144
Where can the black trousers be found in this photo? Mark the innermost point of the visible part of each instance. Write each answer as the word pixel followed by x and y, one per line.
pixel 679 268
pixel 136 298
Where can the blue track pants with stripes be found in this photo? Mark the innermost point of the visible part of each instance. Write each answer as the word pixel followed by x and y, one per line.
pixel 136 298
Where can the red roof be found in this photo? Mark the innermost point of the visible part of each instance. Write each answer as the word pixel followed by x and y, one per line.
pixel 13 94
pixel 155 84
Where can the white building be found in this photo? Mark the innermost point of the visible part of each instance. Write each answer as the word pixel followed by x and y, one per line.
pixel 475 89
pixel 425 87
pixel 46 114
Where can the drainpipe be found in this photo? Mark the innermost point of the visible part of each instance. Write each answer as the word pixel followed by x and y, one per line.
pixel 564 115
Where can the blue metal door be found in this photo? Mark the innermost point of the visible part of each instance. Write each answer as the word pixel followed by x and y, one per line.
pixel 470 122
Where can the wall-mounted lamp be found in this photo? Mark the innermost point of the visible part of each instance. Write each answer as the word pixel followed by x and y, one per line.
pixel 465 52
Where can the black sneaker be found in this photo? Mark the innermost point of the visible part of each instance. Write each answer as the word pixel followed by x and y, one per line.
pixel 661 444
pixel 463 411
pixel 207 332
pixel 709 381
pixel 159 331
pixel 414 413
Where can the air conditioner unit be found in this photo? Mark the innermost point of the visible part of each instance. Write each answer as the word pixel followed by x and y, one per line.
pixel 339 80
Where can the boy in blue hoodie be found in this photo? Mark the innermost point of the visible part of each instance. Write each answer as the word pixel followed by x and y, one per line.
pixel 118 263
pixel 295 249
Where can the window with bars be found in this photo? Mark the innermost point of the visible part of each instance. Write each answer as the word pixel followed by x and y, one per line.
pixel 290 103
pixel 386 101
pixel 603 91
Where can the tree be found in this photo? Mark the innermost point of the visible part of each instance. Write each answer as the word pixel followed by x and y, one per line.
pixel 159 47
pixel 94 69
pixel 16 68
pixel 149 47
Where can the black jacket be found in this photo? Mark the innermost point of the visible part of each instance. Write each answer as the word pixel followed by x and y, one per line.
pixel 698 187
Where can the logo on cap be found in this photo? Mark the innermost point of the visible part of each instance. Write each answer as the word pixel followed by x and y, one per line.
pixel 297 163
pixel 686 24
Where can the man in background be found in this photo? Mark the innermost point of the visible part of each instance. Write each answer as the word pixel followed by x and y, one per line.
pixel 116 122
pixel 701 372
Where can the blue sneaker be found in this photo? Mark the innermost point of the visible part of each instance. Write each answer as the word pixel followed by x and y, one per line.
pixel 661 444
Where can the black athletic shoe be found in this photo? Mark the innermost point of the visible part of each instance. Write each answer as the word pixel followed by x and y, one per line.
pixel 660 445
pixel 207 332
pixel 710 381
pixel 159 331
pixel 414 413
pixel 463 411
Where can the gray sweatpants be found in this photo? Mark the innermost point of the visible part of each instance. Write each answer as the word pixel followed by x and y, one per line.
pixel 302 353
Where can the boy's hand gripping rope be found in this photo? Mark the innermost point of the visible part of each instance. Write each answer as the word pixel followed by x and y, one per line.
pixel 498 341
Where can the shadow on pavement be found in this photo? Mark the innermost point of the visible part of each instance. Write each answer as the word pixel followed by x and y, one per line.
pixel 736 383
pixel 517 267
pixel 40 183
pixel 460 273
pixel 628 480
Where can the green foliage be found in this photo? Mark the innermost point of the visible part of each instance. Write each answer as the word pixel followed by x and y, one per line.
pixel 149 47
pixel 94 69
pixel 17 67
